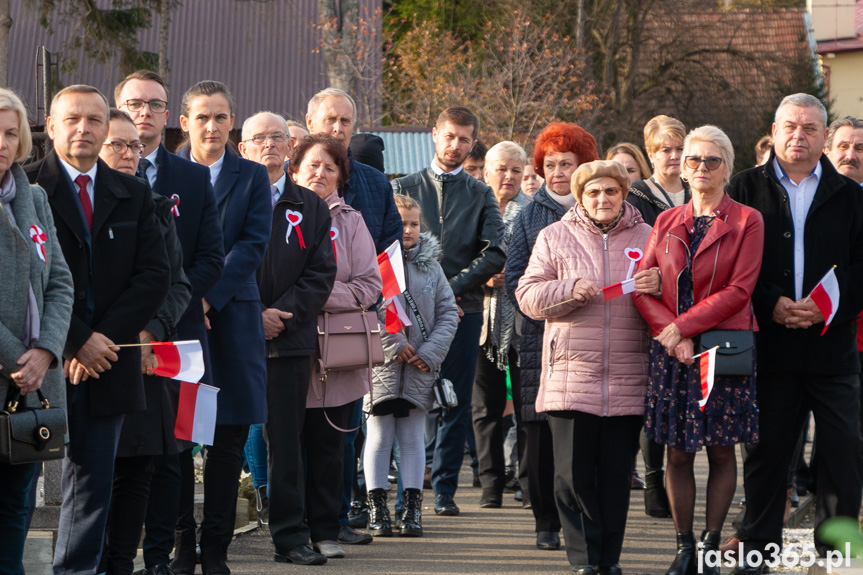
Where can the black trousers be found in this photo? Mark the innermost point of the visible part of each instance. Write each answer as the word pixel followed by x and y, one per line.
pixel 221 478
pixel 287 387
pixel 783 401
pixel 539 461
pixel 593 472
pixel 127 512
pixel 323 446
pixel 488 403
pixel 163 508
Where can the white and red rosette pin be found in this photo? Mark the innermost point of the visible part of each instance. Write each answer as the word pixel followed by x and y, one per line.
pixel 294 219
pixel 40 239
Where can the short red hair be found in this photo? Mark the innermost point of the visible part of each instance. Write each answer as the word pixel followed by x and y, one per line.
pixel 563 137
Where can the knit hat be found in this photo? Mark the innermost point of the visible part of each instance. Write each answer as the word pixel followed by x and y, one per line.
pixel 368 149
pixel 590 171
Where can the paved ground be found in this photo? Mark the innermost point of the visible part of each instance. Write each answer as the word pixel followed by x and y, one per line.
pixel 481 541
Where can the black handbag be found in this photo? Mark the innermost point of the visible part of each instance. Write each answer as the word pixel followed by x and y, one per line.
pixel 31 434
pixel 735 350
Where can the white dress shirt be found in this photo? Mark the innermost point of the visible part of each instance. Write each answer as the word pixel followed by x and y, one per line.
pixel 74 173
pixel 153 168
pixel 800 198
pixel 439 171
pixel 215 167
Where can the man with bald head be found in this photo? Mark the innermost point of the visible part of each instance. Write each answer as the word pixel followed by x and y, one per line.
pixel 113 244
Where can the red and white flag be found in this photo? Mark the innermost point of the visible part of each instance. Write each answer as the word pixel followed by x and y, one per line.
pixel 183 360
pixel 707 366
pixel 618 289
pixel 826 297
pixel 392 266
pixel 196 413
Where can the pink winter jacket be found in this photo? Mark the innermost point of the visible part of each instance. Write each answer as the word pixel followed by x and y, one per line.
pixel 594 355
pixel 358 268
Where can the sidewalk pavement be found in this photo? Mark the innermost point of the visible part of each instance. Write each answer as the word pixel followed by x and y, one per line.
pixel 484 541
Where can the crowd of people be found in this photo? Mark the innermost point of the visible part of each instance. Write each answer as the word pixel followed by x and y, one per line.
pixel 510 263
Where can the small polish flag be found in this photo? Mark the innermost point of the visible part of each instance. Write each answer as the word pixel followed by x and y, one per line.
pixel 196 413
pixel 618 289
pixel 183 360
pixel 826 297
pixel 391 264
pixel 707 367
pixel 396 317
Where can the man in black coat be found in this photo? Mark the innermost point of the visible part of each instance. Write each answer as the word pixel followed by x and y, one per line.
pixel 113 244
pixel 144 96
pixel 813 219
pixel 295 280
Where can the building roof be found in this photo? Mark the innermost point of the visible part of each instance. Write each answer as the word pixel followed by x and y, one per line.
pixel 846 44
pixel 406 150
pixel 268 53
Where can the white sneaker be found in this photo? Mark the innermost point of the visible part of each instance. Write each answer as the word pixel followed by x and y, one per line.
pixel 329 549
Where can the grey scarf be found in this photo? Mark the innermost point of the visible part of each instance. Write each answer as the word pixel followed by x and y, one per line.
pixel 31 320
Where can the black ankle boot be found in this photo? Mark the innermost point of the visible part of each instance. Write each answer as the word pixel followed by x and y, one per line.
pixel 379 515
pixel 184 561
pixel 710 544
pixel 685 562
pixel 411 524
pixel 655 498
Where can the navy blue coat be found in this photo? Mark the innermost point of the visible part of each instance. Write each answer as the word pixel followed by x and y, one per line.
pixel 236 340
pixel 534 217
pixel 200 236
pixel 369 192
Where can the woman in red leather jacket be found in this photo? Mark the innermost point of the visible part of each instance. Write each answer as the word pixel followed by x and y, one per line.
pixel 709 254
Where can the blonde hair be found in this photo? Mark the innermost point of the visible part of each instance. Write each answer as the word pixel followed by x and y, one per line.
pixel 660 128
pixel 406 203
pixel 9 100
pixel 633 151
pixel 506 150
pixel 712 135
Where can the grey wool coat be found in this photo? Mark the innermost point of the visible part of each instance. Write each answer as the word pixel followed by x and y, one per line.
pixel 435 301
pixel 52 285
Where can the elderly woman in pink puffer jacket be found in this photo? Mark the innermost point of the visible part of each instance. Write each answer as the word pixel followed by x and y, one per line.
pixel 594 359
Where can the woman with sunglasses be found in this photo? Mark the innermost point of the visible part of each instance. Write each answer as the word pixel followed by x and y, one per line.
pixel 709 254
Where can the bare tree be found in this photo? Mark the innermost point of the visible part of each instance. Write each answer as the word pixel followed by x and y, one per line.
pixel 339 29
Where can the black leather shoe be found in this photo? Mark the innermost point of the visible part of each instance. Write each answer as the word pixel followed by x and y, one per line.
pixel 154 570
pixel 184 552
pixel 744 568
pixel 300 555
pixel 491 499
pixel 547 540
pixel 612 570
pixel 445 505
pixel 349 536
pixel 589 570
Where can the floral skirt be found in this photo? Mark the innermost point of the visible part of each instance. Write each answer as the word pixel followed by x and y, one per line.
pixel 673 417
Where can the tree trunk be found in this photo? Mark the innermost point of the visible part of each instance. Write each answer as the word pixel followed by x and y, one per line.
pixel 164 25
pixel 339 22
pixel 5 26
pixel 579 27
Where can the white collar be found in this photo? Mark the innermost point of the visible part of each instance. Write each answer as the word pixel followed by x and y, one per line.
pixel 439 171
pixel 74 172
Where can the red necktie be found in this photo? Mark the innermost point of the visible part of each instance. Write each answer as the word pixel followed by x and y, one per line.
pixel 87 206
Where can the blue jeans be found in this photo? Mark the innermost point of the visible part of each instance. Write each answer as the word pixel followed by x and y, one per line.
pixel 256 454
pixel 15 483
pixel 459 367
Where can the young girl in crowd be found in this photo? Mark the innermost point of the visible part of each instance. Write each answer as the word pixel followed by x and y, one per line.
pixel 402 387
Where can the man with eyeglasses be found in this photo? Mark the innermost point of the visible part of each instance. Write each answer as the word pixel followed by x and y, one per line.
pixel 813 221
pixel 143 95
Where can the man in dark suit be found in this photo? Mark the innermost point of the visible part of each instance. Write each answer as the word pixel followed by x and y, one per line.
pixel 813 221
pixel 236 339
pixel 113 244
pixel 144 96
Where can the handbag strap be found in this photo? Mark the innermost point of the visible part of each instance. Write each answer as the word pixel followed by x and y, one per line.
pixel 15 399
pixel 415 310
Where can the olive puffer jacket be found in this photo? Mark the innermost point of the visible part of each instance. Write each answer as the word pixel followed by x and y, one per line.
pixel 434 299
pixel 594 357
